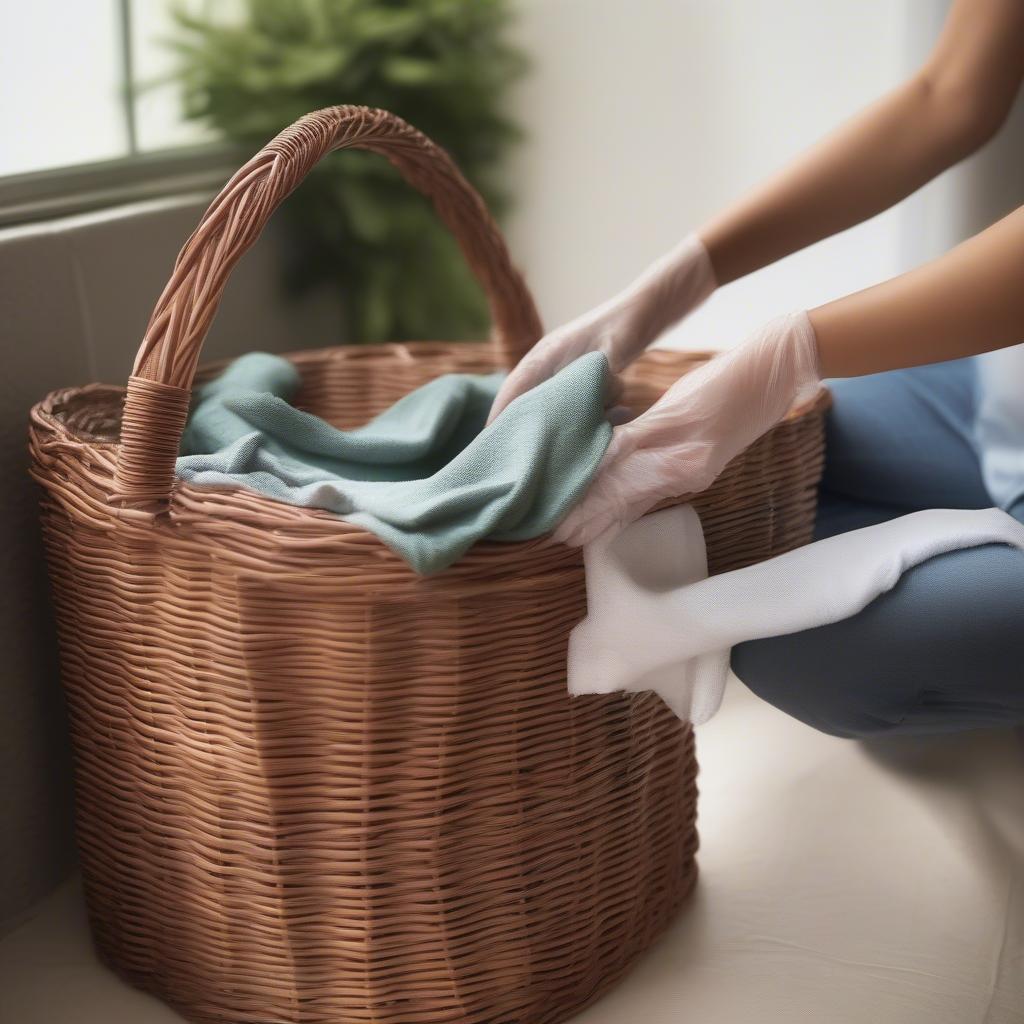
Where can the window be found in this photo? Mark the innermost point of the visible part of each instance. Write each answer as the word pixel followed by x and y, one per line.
pixel 89 113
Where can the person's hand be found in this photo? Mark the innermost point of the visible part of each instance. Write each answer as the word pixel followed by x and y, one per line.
pixel 622 327
pixel 681 444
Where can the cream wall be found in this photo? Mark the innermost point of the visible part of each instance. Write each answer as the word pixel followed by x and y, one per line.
pixel 645 116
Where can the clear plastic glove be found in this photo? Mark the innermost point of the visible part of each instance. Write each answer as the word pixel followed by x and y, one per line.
pixel 625 325
pixel 681 444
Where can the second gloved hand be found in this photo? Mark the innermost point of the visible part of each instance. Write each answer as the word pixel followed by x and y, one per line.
pixel 681 444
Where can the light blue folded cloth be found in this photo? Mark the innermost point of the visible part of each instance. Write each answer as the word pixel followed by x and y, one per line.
pixel 426 476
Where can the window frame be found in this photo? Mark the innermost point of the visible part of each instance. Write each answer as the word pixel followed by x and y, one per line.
pixel 81 188
pixel 136 175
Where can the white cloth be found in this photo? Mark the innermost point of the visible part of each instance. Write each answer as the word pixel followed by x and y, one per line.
pixel 999 428
pixel 656 621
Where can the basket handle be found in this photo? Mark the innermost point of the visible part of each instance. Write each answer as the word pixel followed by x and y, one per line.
pixel 157 400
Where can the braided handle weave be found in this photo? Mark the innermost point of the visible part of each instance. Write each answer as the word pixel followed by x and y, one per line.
pixel 157 401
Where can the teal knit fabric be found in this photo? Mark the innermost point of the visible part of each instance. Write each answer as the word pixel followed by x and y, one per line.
pixel 426 476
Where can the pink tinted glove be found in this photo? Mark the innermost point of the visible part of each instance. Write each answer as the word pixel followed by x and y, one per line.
pixel 625 325
pixel 702 422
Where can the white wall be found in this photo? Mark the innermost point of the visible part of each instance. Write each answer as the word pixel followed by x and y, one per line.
pixel 646 116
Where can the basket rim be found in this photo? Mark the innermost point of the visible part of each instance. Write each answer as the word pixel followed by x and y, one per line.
pixel 406 351
pixel 295 526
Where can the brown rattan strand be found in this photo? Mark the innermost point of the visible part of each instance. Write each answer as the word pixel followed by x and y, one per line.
pixel 314 787
pixel 170 349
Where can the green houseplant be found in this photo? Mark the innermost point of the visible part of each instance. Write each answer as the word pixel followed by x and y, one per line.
pixel 443 65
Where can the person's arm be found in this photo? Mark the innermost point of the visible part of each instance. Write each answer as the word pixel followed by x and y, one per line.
pixel 970 300
pixel 947 110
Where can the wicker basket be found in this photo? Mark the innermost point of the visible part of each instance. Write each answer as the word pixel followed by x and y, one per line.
pixel 312 787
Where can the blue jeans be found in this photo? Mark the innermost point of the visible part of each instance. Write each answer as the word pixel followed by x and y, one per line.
pixel 944 650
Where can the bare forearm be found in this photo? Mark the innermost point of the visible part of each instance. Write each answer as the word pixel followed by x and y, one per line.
pixel 947 110
pixel 865 167
pixel 970 300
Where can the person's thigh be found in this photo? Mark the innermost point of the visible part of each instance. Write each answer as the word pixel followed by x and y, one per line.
pixel 943 651
pixel 904 439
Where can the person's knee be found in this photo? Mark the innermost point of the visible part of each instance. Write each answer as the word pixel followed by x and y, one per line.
pixel 804 675
pixel 971 604
pixel 941 651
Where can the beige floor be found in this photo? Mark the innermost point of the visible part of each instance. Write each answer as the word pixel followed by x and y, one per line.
pixel 840 884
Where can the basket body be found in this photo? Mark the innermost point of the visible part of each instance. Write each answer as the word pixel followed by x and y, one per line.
pixel 312 787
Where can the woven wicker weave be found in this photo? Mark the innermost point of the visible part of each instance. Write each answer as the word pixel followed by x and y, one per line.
pixel 312 787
